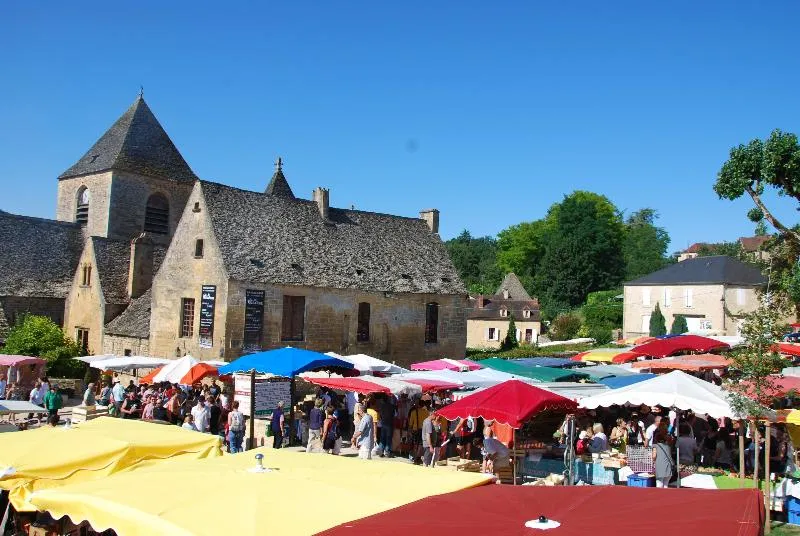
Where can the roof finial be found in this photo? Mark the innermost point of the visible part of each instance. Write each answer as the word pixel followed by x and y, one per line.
pixel 141 92
pixel 279 164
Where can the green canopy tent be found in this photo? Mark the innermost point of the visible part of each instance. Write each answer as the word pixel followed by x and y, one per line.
pixel 542 374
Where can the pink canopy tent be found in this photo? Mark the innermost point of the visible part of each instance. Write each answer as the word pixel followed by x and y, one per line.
pixel 17 360
pixel 447 364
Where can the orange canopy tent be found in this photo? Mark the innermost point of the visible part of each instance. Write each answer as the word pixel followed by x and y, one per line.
pixel 693 363
pixel 195 374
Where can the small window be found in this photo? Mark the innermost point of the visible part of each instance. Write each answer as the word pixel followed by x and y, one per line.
pixel 156 215
pixel 196 207
pixel 82 209
pixel 82 338
pixel 198 248
pixel 431 322
pixel 667 297
pixel 187 317
pixel 741 298
pixel 127 352
pixel 293 323
pixel 526 313
pixel 86 275
pixel 492 334
pixel 503 312
pixel 362 335
pixel 528 336
pixel 688 298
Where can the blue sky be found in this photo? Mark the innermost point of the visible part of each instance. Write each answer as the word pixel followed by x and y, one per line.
pixel 487 111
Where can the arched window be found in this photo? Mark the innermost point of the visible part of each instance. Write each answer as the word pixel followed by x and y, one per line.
pixel 431 322
pixel 362 335
pixel 156 215
pixel 82 208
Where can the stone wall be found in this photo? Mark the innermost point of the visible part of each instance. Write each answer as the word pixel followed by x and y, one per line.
pixel 99 186
pixel 117 345
pixel 15 306
pixel 129 194
pixel 181 276
pixel 84 305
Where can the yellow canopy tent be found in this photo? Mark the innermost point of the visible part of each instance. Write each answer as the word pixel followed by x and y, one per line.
pixel 50 457
pixel 301 494
pixel 793 426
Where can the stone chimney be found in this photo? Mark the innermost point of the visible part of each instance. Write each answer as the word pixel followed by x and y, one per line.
pixel 321 196
pixel 431 217
pixel 140 273
pixel 479 301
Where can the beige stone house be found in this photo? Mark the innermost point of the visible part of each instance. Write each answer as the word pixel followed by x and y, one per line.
pixel 711 292
pixel 487 321
pixel 244 270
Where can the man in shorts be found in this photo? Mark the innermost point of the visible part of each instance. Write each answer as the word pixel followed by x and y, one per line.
pixel 416 417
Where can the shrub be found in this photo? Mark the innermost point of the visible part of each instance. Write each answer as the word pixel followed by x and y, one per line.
pixel 565 327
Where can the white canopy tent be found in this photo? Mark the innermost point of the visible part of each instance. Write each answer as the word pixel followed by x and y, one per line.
pixel 93 358
pixel 397 387
pixel 366 364
pixel 129 363
pixel 434 375
pixel 676 389
pixel 175 370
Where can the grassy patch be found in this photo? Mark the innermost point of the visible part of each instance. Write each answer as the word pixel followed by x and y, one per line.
pixel 780 528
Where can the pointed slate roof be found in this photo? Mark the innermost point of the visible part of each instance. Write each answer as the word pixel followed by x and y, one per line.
pixel 277 240
pixel 717 269
pixel 515 289
pixel 38 257
pixel 136 142
pixel 279 186
pixel 135 320
pixel 113 264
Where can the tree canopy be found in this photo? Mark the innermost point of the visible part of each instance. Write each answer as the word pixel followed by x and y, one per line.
pixel 39 336
pixel 476 262
pixel 644 245
pixel 658 324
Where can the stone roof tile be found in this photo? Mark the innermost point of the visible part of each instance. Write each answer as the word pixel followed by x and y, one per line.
pixel 135 320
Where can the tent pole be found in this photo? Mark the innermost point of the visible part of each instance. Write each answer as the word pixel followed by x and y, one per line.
pixel 755 453
pixel 767 478
pixel 677 444
pixel 251 441
pixel 291 410
pixel 741 453
pixel 514 455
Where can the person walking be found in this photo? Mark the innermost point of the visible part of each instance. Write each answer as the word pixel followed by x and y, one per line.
pixel 118 394
pixel 276 426
pixel 214 412
pixel 663 463
pixel 53 401
pixel 316 418
pixel 430 439
pixel 88 396
pixel 364 437
pixel 330 431
pixel 387 414
pixel 235 429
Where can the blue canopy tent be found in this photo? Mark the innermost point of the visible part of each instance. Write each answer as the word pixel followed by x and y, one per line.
pixel 288 362
pixel 623 381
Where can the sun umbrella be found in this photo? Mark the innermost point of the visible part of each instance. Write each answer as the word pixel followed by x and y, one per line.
pixel 287 362
pixel 512 403
pixel 608 355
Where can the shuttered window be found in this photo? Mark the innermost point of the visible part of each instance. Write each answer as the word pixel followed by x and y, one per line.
pixel 431 322
pixel 294 316
pixel 156 215
pixel 362 335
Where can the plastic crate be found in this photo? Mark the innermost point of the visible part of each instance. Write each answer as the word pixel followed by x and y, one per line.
pixel 639 480
pixel 793 510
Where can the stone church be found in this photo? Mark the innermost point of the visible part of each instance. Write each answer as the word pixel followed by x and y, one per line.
pixel 144 258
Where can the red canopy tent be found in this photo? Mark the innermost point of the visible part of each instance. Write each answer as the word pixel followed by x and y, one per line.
pixel 787 348
pixel 693 363
pixel 433 385
pixel 512 402
pixel 681 343
pixel 355 385
pixel 581 510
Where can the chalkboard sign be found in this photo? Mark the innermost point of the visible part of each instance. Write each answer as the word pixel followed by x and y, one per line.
pixel 209 296
pixel 253 319
pixel 269 391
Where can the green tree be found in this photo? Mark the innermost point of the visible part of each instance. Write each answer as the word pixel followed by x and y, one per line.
pixel 583 251
pixel 753 366
pixel 565 327
pixel 39 336
pixel 658 325
pixel 644 245
pixel 520 249
pixel 510 340
pixel 679 325
pixel 476 262
pixel 731 249
pixel 761 229
pixel 752 168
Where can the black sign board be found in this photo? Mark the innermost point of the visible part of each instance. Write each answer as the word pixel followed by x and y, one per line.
pixel 253 319
pixel 209 295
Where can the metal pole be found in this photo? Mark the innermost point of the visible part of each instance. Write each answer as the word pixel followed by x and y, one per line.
pixel 251 441
pixel 767 494
pixel 291 411
pixel 678 444
pixel 741 453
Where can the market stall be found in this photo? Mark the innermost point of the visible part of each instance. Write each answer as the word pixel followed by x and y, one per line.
pixel 541 374
pixel 688 363
pixel 50 457
pixel 669 346
pixel 22 369
pixel 608 355
pixel 447 364
pixel 367 365
pixel 266 501
pixel 128 363
pixel 569 511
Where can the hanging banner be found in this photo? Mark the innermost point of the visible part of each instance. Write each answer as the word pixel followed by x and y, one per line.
pixel 253 319
pixel 269 391
pixel 208 297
